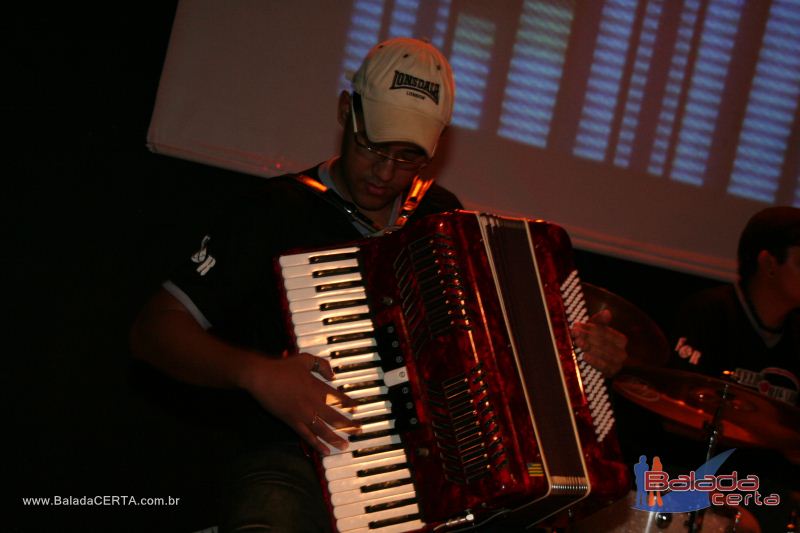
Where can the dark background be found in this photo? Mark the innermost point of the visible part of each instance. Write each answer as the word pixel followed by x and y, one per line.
pixel 96 222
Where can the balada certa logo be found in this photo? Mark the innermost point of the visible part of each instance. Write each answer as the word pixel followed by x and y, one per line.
pixel 700 488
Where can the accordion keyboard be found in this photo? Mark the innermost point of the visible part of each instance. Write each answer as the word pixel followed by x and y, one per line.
pixel 370 484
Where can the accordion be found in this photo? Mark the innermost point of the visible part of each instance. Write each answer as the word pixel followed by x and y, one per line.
pixel 453 335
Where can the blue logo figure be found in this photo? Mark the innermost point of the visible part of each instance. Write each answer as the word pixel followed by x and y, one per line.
pixel 639 469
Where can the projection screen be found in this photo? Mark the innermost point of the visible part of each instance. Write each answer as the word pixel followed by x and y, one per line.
pixel 651 130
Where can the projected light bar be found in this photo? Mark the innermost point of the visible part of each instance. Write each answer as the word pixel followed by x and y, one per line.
pixel 536 69
pixel 365 27
pixel 771 108
pixel 672 91
pixel 641 66
pixel 440 26
pixel 470 58
pixel 404 18
pixel 705 92
pixel 605 78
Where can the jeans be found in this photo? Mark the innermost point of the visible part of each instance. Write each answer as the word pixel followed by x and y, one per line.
pixel 275 490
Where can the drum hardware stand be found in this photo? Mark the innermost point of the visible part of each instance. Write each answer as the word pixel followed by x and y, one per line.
pixel 714 429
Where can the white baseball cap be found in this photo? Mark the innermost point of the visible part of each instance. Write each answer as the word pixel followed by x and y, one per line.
pixel 407 91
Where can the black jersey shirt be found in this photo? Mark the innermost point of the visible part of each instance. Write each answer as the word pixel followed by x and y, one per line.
pixel 230 282
pixel 712 334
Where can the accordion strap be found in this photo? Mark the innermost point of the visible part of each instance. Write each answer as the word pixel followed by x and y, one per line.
pixel 417 190
pixel 419 186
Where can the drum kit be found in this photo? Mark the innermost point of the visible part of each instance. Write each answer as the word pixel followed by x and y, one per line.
pixel 713 410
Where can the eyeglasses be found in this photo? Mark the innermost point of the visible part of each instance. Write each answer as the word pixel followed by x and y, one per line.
pixel 411 162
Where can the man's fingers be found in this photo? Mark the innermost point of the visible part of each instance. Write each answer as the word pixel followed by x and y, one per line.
pixel 603 347
pixel 339 399
pixel 325 433
pixel 306 432
pixel 328 425
pixel 334 418
pixel 598 335
pixel 318 365
pixel 601 317
pixel 319 427
pixel 596 362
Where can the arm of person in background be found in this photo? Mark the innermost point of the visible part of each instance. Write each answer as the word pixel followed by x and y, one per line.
pixel 603 347
pixel 168 337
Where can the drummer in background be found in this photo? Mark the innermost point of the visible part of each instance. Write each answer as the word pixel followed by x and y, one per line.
pixel 750 331
pixel 751 328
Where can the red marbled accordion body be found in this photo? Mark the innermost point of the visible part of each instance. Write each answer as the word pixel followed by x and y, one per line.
pixel 501 419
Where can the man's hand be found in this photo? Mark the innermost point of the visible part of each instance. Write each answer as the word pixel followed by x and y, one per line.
pixel 603 347
pixel 290 389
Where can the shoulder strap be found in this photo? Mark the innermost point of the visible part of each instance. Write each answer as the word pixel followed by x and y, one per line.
pixel 417 190
pixel 330 196
pixel 419 186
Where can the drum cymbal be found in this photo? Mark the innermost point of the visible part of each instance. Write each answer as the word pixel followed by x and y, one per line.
pixel 690 399
pixel 647 344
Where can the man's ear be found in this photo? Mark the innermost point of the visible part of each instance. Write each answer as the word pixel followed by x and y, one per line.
pixel 343 109
pixel 766 262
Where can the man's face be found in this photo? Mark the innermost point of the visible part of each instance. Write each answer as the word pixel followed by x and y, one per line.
pixel 787 275
pixel 372 175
